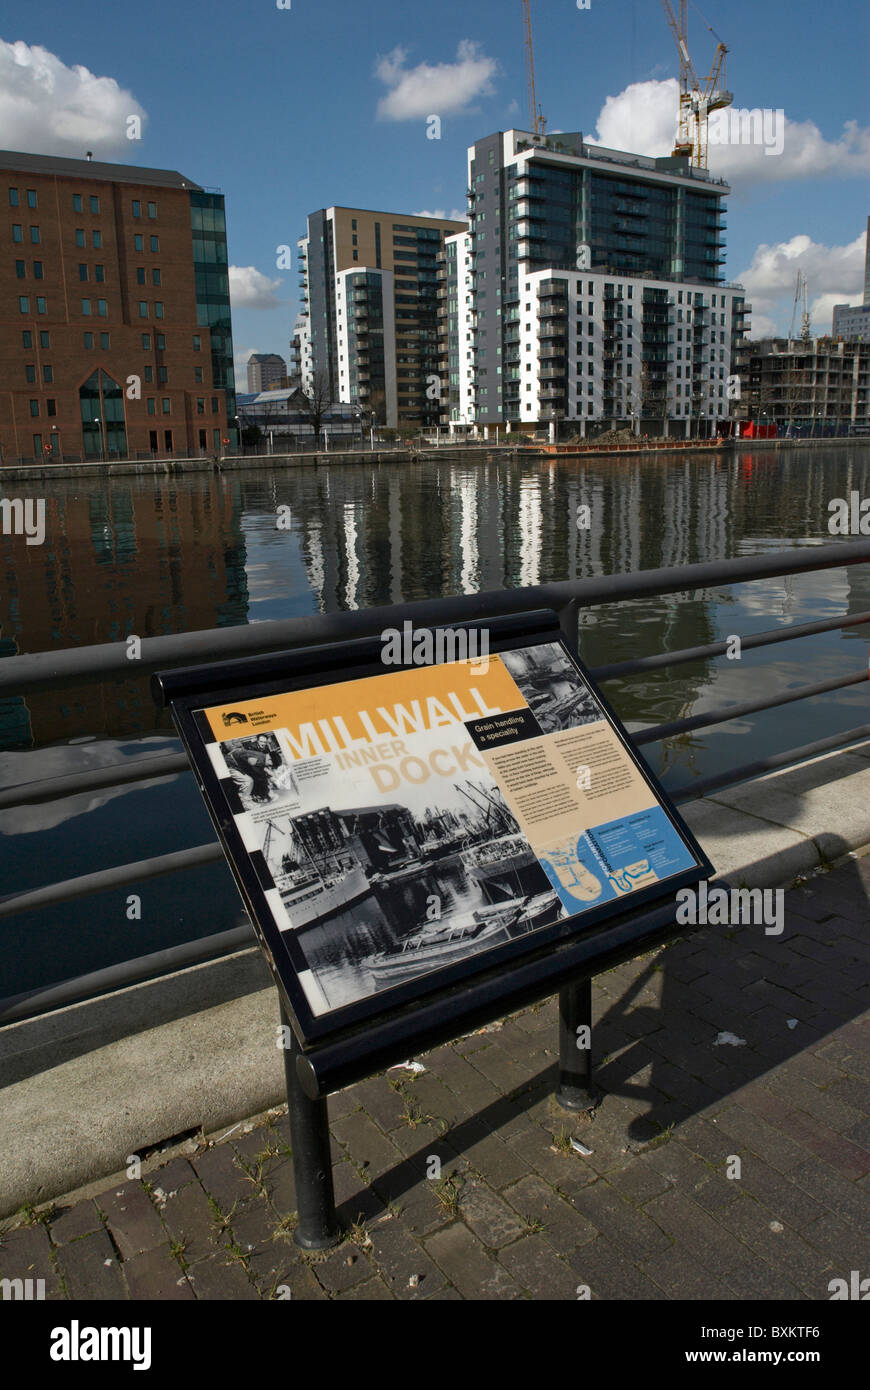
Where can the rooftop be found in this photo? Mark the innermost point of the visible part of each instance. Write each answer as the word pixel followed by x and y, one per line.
pixel 93 169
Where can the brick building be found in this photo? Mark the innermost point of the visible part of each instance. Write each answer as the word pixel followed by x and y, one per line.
pixel 115 332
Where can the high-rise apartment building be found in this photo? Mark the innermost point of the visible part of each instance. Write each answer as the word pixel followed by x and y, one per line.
pixel 588 288
pixel 371 312
pixel 115 332
pixel 853 320
pixel 266 369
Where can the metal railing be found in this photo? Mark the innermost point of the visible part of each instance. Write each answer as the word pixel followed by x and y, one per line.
pixel 24 675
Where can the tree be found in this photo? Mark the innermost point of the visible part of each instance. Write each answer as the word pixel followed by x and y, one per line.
pixel 316 399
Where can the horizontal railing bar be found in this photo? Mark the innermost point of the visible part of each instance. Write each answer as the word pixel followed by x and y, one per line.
pixel 34 1002
pixel 757 639
pixel 694 790
pixel 116 775
pixel 721 716
pixel 42 670
pixel 118 877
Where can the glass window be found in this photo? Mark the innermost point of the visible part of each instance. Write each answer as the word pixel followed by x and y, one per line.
pixel 158 309
pixel 37 445
pixel 104 341
pixel 13 197
pixel 37 270
pixel 152 406
pixel 41 306
pixel 143 309
pixel 34 235
pixel 137 208
pixel 200 405
pixel 102 308
pixel 31 197
pixel 96 240
pixel 166 405
pixel 89 340
pixel 155 243
pixel 20 269
pixel 161 342
pixel 16 232
pixel 34 407
pixel 163 374
pixel 95 204
pixel 27 338
pixel 99 273
pixel 77 202
pixel 83 272
pixel 214 405
pixel 139 242
pixel 47 375
pixel 44 339
pixel 23 304
pixel 155 277
pixel 152 209
pixel 149 373
pixel 51 406
pixel 140 275
pixel 197 373
pixel 29 372
pixel 80 236
pixel 86 307
pixel 196 342
pixel 146 342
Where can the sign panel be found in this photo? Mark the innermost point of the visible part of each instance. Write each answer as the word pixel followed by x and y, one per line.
pixel 394 831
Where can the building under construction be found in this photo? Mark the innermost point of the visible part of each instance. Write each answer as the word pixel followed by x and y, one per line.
pixel 815 387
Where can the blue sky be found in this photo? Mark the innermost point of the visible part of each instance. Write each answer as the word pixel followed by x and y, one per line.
pixel 288 110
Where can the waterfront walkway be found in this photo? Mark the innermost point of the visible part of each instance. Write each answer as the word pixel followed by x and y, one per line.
pixel 729 1045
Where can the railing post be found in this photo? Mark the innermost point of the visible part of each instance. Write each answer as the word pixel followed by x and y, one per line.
pixel 318 1226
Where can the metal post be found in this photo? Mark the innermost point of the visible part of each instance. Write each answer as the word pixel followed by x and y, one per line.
pixel 576 1090
pixel 318 1227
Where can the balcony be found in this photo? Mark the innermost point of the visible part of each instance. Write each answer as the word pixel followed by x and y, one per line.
pixel 553 370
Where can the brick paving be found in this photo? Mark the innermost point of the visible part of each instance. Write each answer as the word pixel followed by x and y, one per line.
pixel 717 1171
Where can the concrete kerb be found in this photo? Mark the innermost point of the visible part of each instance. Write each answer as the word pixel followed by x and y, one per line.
pixel 86 1086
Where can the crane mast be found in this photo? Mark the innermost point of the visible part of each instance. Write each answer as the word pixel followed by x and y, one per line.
pixel 697 98
pixel 538 123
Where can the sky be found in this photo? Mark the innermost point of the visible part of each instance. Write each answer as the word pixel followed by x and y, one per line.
pixel 288 106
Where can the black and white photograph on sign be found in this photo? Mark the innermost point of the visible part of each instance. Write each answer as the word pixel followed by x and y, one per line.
pixel 552 687
pixel 378 893
pixel 261 774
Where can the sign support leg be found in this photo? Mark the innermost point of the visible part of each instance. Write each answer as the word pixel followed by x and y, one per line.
pixel 318 1227
pixel 576 1090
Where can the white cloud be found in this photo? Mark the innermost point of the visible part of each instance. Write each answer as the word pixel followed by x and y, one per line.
pixel 251 289
pixel 747 149
pixel 48 108
pixel 440 89
pixel 454 215
pixel 835 275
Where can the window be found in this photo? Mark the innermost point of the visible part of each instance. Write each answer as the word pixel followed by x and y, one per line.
pixel 37 445
pixel 137 208
pixel 152 406
pixel 20 270
pixel 161 342
pixel 51 406
pixel 13 197
pixel 155 277
pixel 146 342
pixel 95 204
pixel 196 342
pixel 104 341
pixel 143 309
pixel 34 235
pixel 214 405
pixel 77 202
pixel 99 273
pixel 155 243
pixel 23 304
pixel 140 275
pixel 16 232
pixel 102 308
pixel 34 408
pixel 166 405
pixel 89 340
pixel 197 374
pixel 37 270
pixel 96 240
pixel 152 210
pixel 86 308
pixel 139 242
pixel 47 375
pixel 44 339
pixel 31 197
pixel 83 272
pixel 162 374
pixel 27 338
pixel 80 236
pixel 30 373
pixel 158 309
pixel 149 373
pixel 200 405
pixel 41 306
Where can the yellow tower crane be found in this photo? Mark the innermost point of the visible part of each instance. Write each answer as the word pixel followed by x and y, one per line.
pixel 697 100
pixel 538 123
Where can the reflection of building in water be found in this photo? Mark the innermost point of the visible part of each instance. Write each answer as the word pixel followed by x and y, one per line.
pixel 120 559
